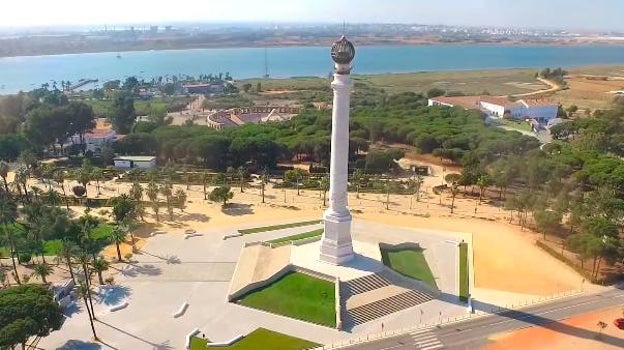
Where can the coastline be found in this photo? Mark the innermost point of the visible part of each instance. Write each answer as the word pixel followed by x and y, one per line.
pixel 323 43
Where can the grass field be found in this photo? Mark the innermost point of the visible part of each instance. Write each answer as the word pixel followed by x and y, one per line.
pixel 496 82
pixel 278 227
pixel 409 262
pixel 520 125
pixel 261 338
pixel 464 282
pixel 298 296
pixel 297 237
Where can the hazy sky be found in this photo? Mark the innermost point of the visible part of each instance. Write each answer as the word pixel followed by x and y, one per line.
pixel 574 14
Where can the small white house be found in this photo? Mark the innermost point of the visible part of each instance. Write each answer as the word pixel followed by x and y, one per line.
pixel 129 162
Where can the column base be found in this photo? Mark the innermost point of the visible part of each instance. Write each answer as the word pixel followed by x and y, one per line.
pixel 336 244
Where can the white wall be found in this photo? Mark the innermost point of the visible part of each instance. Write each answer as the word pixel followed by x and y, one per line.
pixel 145 165
pixel 495 110
pixel 124 164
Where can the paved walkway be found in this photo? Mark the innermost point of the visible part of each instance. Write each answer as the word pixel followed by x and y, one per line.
pixel 198 270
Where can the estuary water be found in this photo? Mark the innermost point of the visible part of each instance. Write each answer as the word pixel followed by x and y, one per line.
pixel 28 72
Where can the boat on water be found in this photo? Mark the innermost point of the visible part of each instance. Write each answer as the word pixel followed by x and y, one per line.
pixel 118 56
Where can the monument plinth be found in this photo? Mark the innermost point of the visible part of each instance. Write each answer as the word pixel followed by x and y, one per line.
pixel 336 244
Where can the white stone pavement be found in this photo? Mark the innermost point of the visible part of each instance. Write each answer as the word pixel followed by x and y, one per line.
pixel 198 270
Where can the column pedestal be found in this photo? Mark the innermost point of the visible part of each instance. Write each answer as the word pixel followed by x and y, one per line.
pixel 336 245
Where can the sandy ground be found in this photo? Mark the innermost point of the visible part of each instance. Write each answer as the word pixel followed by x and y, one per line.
pixel 505 256
pixel 579 332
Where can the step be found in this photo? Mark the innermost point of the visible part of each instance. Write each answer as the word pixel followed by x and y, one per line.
pixel 383 307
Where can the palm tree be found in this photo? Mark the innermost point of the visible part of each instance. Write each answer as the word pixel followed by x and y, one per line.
pixel 167 190
pixel 59 177
pixel 388 193
pixel 264 179
pixel 97 174
pixel 152 194
pixel 43 270
pixel 8 215
pixel 85 293
pixel 66 251
pixel 21 179
pixel 99 265
pixel 83 259
pixel 4 172
pixel 118 235
pixel 52 197
pixel 324 185
pixel 454 192
pixel 240 173
pixel 180 198
pixel 419 180
pixel 204 183
pixel 136 193
pixel 83 176
pixel 483 181
pixel 356 178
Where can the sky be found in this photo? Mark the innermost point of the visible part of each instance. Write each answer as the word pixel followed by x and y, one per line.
pixel 564 14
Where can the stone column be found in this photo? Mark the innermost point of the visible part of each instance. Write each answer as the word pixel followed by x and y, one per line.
pixel 336 244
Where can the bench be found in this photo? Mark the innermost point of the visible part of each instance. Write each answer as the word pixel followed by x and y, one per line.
pixel 181 310
pixel 119 307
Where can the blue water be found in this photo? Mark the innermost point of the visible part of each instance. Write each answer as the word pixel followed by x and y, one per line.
pixel 24 73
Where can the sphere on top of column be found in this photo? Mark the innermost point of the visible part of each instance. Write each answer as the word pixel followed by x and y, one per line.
pixel 343 52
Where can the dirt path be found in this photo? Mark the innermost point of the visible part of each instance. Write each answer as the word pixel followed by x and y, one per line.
pixel 553 88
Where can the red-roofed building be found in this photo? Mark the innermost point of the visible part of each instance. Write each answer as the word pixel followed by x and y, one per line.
pixel 102 134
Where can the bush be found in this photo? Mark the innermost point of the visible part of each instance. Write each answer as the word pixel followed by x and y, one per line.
pixel 24 258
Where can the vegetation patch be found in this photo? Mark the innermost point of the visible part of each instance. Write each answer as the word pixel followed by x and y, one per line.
pixel 464 282
pixel 298 296
pixel 298 237
pixel 278 227
pixel 409 262
pixel 259 339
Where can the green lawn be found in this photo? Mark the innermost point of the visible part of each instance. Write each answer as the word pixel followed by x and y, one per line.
pixel 409 262
pixel 520 125
pixel 278 227
pixel 260 339
pixel 464 283
pixel 298 296
pixel 297 237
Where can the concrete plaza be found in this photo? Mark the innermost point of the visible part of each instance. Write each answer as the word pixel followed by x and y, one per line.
pixel 172 269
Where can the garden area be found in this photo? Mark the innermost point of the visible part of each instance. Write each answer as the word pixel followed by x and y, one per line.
pixel 278 227
pixel 261 338
pixel 464 282
pixel 409 262
pixel 298 237
pixel 298 296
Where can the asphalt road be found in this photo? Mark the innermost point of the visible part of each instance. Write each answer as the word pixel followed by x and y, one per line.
pixel 474 334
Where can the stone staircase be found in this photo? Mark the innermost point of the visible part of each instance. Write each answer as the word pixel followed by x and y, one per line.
pixel 370 297
pixel 362 285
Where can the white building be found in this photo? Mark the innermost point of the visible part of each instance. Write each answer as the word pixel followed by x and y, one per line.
pixel 498 107
pixel 129 162
pixel 94 140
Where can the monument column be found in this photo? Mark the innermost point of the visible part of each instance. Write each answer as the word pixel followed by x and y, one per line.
pixel 336 244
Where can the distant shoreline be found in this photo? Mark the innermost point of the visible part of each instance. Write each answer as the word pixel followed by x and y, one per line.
pixel 274 45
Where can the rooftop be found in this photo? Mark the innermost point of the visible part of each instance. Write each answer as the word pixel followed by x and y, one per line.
pixel 137 158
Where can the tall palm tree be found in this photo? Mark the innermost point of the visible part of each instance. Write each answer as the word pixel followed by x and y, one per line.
pixel 136 193
pixel 43 270
pixel 152 194
pixel 99 265
pixel 264 179
pixel 21 179
pixel 324 185
pixel 8 215
pixel 356 177
pixel 418 181
pixel 59 177
pixel 118 235
pixel 4 172
pixel 83 176
pixel 454 192
pixel 240 173
pixel 66 251
pixel 98 175
pixel 167 190
pixel 83 259
pixel 84 292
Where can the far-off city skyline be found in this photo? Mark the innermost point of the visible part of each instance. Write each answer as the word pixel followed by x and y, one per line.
pixel 562 14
